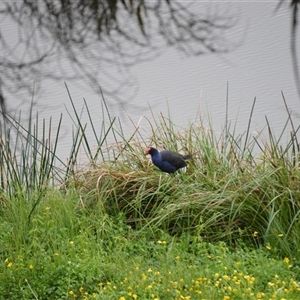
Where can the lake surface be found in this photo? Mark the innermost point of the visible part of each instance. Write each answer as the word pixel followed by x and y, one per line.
pixel 260 67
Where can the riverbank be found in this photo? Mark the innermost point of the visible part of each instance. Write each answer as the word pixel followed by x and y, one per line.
pixel 119 228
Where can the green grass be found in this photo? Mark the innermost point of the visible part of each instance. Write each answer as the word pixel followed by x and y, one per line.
pixel 118 228
pixel 67 250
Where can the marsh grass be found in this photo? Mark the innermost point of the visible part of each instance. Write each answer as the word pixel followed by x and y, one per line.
pixel 239 190
pixel 229 191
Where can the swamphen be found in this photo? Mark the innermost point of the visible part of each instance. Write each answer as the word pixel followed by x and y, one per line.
pixel 167 161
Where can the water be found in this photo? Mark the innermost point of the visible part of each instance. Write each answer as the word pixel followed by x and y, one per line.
pixel 260 67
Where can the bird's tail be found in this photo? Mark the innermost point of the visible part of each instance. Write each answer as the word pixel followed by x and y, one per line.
pixel 187 157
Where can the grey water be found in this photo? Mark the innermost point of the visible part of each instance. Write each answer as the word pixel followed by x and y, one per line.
pixel 259 67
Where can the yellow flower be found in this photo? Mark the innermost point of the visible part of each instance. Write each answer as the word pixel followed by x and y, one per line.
pixel 268 247
pixel 226 298
pixel 260 295
pixel 255 234
pixel 71 242
pixel 10 265
pixel 31 267
pixel 122 298
pixel 286 260
pixel 226 277
pixel 161 242
pixel 280 234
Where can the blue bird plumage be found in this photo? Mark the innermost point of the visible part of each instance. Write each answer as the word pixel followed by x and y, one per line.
pixel 167 161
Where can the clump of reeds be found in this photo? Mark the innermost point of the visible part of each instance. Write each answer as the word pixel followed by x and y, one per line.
pixel 235 188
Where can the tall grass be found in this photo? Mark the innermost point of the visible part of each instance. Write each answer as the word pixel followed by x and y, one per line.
pixel 228 193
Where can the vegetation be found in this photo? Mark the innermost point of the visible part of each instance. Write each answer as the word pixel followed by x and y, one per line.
pixel 118 228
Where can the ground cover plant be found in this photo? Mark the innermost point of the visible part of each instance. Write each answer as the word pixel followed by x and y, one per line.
pixel 118 228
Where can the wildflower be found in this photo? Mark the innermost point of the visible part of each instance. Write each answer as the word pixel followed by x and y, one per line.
pixel 47 207
pixel 177 257
pixel 268 247
pixel 280 234
pixel 9 265
pixel 286 260
pixel 81 289
pixel 71 242
pixel 226 277
pixel 161 242
pixel 226 298
pixel 134 296
pixel 260 295
pixel 122 298
pixel 31 267
pixel 149 270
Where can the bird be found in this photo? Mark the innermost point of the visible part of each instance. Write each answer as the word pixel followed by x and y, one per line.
pixel 166 160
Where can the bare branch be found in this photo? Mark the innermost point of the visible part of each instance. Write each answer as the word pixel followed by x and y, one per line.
pixel 67 39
